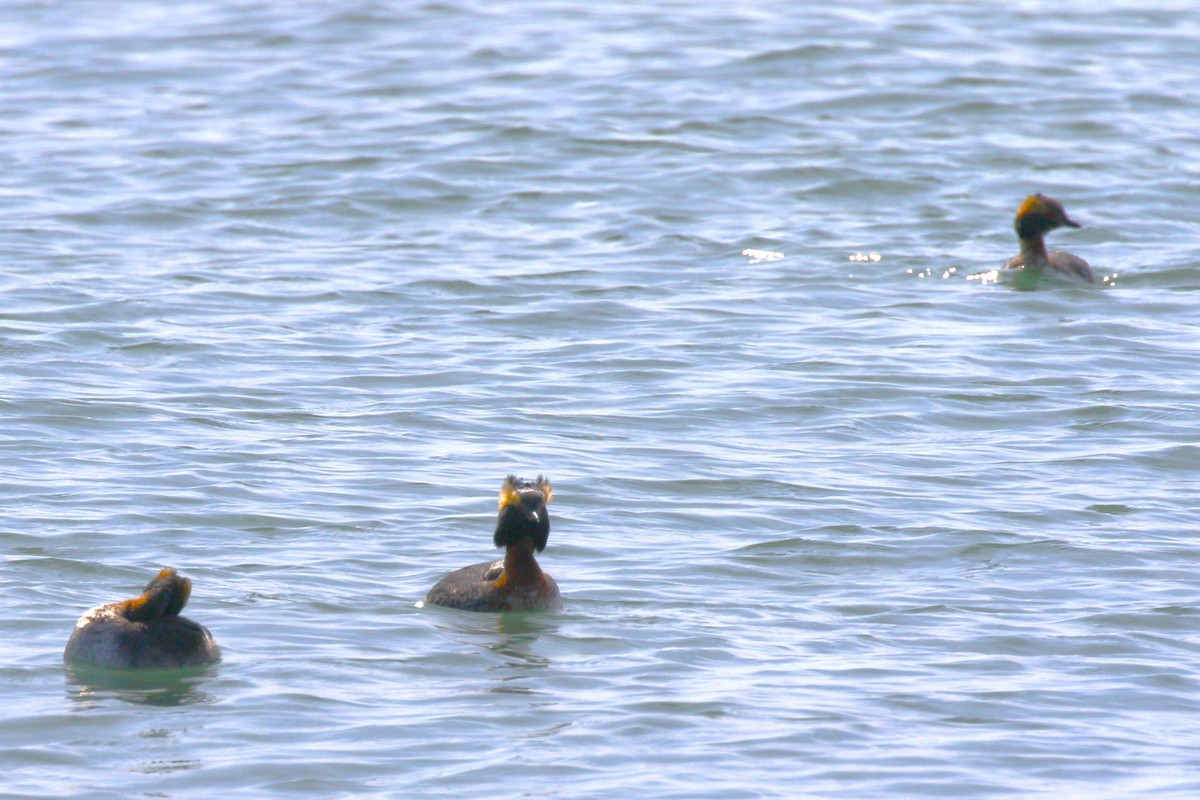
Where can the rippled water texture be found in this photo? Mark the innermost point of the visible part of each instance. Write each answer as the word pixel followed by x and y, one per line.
pixel 289 288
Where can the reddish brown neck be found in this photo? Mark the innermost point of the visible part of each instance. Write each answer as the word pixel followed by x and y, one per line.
pixel 520 566
pixel 1033 250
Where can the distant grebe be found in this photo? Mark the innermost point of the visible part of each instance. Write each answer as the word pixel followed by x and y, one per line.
pixel 517 583
pixel 1036 217
pixel 144 632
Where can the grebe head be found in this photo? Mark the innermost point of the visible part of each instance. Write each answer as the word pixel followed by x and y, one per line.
pixel 523 512
pixel 1039 215
pixel 164 596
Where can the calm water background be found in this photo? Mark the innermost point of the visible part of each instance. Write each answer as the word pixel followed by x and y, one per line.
pixel 288 288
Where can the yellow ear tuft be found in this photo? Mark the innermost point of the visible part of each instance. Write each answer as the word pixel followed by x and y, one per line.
pixel 509 493
pixel 1032 202
pixel 133 604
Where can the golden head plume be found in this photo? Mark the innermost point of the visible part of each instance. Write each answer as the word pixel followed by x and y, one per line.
pixel 1031 203
pixel 510 492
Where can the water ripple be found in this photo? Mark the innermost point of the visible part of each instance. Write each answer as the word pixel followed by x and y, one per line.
pixel 289 289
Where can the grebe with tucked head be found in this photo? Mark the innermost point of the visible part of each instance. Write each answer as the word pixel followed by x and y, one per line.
pixel 517 583
pixel 144 632
pixel 1036 217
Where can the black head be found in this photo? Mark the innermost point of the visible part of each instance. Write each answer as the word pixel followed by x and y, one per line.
pixel 523 512
pixel 165 596
pixel 1039 215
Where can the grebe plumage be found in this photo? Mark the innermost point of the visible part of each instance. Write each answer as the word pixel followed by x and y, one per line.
pixel 1036 217
pixel 143 632
pixel 517 583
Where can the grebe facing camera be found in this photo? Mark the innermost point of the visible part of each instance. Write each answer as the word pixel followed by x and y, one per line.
pixel 145 632
pixel 517 583
pixel 1036 217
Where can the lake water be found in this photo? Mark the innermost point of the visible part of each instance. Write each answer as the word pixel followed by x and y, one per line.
pixel 289 288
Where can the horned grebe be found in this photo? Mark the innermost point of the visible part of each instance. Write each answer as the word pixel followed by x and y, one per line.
pixel 517 583
pixel 144 632
pixel 1036 217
